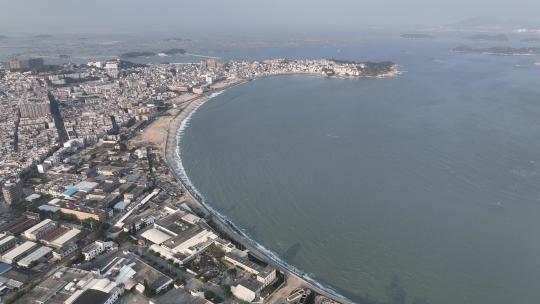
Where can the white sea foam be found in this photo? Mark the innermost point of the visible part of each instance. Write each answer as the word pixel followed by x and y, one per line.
pixel 180 172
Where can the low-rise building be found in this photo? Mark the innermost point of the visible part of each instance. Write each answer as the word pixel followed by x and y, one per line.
pixel 39 230
pixel 247 290
pixel 38 254
pixel 21 224
pixel 60 236
pixel 7 242
pixel 243 263
pixel 96 291
pixel 65 251
pixel 94 249
pixel 17 253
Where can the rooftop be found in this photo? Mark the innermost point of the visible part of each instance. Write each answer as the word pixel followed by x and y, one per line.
pixel 174 223
pixel 92 296
pixel 156 236
pixel 34 256
pixel 17 251
pixel 38 226
pixel 251 284
pixel 154 277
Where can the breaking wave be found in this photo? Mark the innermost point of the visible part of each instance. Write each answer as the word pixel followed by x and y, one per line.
pixel 180 173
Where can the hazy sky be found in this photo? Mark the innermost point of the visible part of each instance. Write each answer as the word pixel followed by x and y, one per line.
pixel 152 15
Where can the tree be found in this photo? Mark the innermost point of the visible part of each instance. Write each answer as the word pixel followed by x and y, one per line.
pixel 226 290
pixel 209 294
pixel 149 292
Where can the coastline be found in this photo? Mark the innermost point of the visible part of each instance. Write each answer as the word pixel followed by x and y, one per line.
pixel 173 160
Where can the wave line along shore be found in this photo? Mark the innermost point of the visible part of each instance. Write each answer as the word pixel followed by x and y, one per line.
pixel 173 160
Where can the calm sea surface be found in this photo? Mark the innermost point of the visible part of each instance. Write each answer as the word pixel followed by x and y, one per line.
pixel 418 189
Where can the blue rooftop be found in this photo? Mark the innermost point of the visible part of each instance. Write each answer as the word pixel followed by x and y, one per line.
pixel 70 191
pixel 4 267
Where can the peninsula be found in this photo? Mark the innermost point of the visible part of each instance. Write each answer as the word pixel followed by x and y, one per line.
pixel 135 54
pixel 97 148
pixel 175 51
pixel 499 50
pixel 531 39
pixel 487 37
pixel 417 36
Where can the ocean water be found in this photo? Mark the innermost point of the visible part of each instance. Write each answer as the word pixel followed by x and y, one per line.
pixel 423 188
pixel 418 189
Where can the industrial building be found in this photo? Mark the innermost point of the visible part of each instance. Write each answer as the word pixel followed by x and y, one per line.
pixel 7 242
pixel 60 236
pixel 37 231
pixel 21 224
pixel 178 239
pixel 38 254
pixel 17 253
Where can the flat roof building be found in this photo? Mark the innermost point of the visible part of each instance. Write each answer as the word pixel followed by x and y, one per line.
pixel 243 263
pixel 247 290
pixel 156 236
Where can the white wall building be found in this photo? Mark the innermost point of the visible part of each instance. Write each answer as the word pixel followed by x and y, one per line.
pixel 93 250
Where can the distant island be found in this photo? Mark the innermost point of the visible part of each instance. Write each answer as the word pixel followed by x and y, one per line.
pixel 43 36
pixel 499 50
pixel 487 37
pixel 174 51
pixel 137 54
pixel 3 37
pixel 177 39
pixel 417 36
pixel 531 39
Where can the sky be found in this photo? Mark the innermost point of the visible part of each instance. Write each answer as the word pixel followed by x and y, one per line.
pixel 206 15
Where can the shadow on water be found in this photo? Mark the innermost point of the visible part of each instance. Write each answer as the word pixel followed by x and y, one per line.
pixel 291 253
pixel 395 294
pixel 253 231
pixel 230 208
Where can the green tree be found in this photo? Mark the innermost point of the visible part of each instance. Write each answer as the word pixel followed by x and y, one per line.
pixel 226 290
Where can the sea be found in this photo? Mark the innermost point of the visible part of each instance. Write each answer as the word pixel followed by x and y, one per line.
pixel 417 189
pixel 424 188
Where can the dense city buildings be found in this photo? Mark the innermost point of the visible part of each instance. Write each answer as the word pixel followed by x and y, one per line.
pixel 104 217
pixel 17 64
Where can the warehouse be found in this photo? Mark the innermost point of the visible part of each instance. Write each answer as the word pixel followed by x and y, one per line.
pixel 65 238
pixel 39 230
pixel 18 252
pixel 35 256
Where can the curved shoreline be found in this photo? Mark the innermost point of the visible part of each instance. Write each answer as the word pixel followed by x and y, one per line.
pixel 173 160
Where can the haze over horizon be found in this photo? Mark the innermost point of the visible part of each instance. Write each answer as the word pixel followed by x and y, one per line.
pixel 129 16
